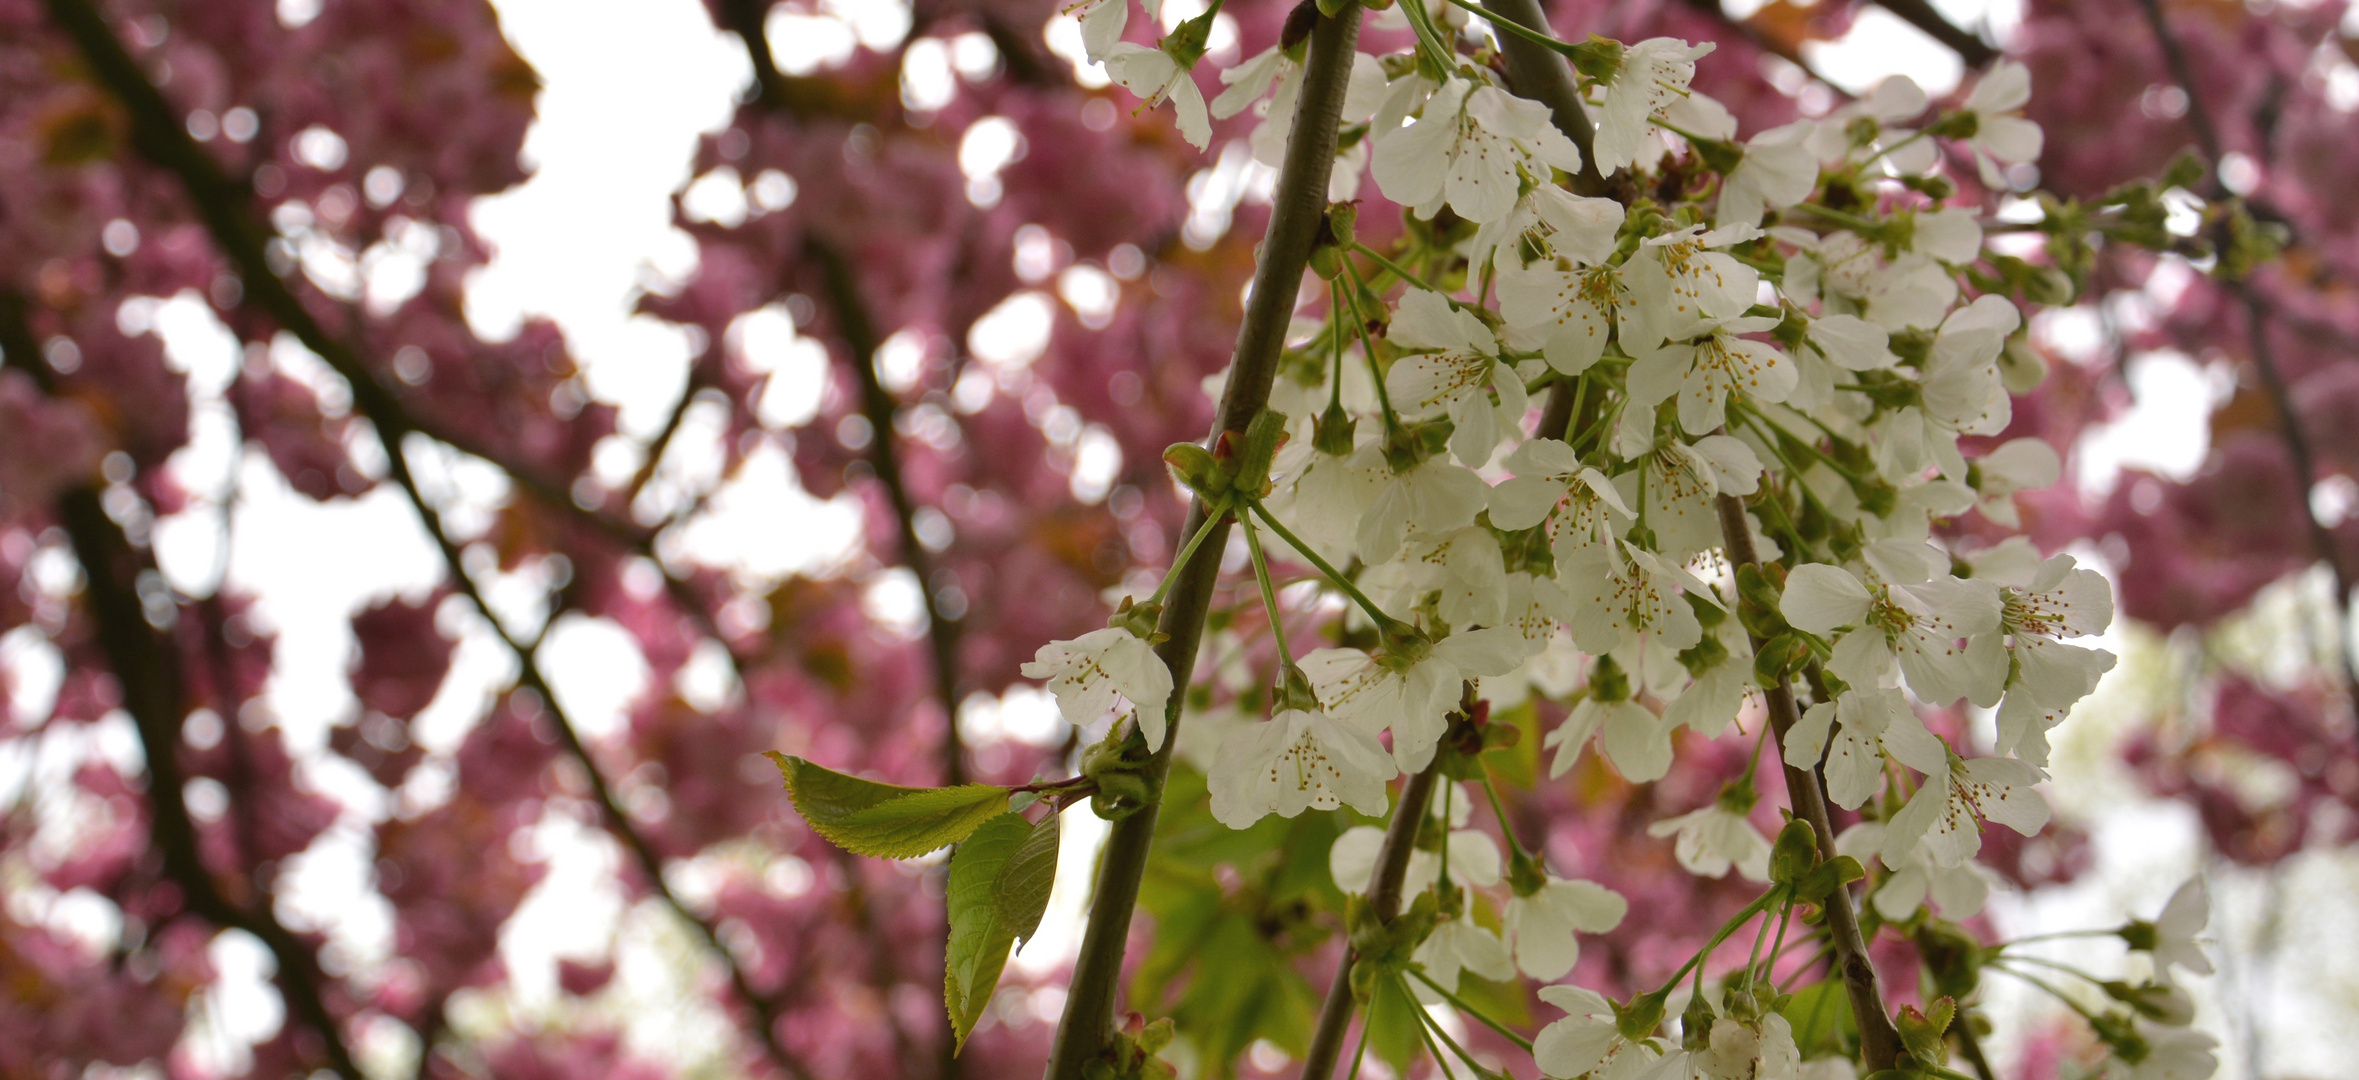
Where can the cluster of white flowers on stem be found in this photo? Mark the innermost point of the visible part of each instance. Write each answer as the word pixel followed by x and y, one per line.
pixel 1802 321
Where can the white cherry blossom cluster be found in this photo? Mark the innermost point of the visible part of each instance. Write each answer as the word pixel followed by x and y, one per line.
pixel 1809 327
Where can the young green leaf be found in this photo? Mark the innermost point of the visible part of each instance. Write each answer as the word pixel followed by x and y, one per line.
pixel 1022 894
pixel 979 938
pixel 868 818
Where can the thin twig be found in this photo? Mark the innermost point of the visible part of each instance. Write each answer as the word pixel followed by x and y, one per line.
pixel 881 411
pixel 1296 213
pixel 2256 314
pixel 1879 1040
pixel 1384 900
pixel 226 207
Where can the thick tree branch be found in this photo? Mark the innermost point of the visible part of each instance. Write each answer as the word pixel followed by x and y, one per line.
pixel 1537 72
pixel 1879 1040
pixel 1970 48
pixel 226 207
pixel 148 673
pixel 1296 212
pixel 1384 899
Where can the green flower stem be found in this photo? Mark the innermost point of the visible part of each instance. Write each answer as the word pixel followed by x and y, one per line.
pixel 1760 420
pixel 1187 551
pixel 1335 335
pixel 1269 595
pixel 1499 811
pixel 1391 267
pixel 1516 28
pixel 2054 935
pixel 1374 613
pixel 1761 936
pixel 1849 221
pixel 1430 36
pixel 1298 206
pixel 2054 966
pixel 1769 963
pixel 1880 1045
pixel 1432 1029
pixel 2053 990
pixel 1359 1053
pixel 1792 470
pixel 1696 963
pixel 1580 397
pixel 1504 1031
pixel 1597 428
pixel 1392 420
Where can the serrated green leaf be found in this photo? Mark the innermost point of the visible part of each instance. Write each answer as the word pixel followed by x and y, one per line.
pixel 885 820
pixel 979 941
pixel 1021 896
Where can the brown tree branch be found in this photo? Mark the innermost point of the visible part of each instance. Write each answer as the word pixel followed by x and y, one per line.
pixel 1879 1040
pixel 148 673
pixel 1970 48
pixel 2256 316
pixel 226 207
pixel 1296 214
pixel 1384 900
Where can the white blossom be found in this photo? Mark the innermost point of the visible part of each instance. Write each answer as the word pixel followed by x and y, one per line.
pixel 1632 737
pixel 1763 1050
pixel 1946 814
pixel 1873 721
pixel 1297 761
pixel 1682 485
pixel 1457 945
pixel 2169 1053
pixel 1089 673
pixel 1777 171
pixel 1453 366
pixel 2187 913
pixel 1713 839
pixel 1466 149
pixel 1958 892
pixel 1681 285
pixel 1432 496
pixel 2000 136
pixel 1587 1041
pixel 1102 22
pixel 1566 314
pixel 1581 508
pixel 1556 222
pixel 1411 698
pixel 1705 372
pixel 1655 74
pixel 1620 591
pixel 2026 464
pixel 2047 677
pixel 1154 76
pixel 1887 629
pixel 1543 925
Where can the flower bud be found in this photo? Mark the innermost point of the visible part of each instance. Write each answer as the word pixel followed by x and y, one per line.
pixel 1794 854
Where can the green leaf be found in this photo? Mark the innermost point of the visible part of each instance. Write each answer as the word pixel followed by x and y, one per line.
pixel 1821 1018
pixel 885 820
pixel 1392 1027
pixel 979 940
pixel 1024 883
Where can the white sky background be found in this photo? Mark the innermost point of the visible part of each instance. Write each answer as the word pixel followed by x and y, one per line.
pixel 629 86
